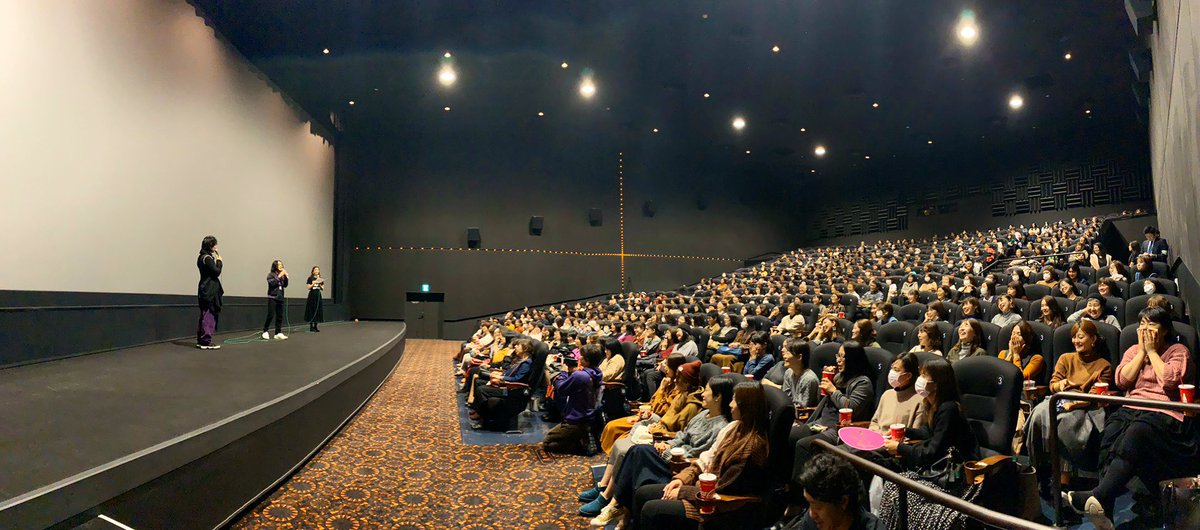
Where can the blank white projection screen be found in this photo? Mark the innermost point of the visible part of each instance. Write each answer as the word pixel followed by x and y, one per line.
pixel 128 132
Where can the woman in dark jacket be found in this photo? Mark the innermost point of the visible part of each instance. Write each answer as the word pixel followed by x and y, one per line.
pixel 944 428
pixel 277 280
pixel 208 293
pixel 850 389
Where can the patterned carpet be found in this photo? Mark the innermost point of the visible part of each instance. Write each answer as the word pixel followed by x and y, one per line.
pixel 401 464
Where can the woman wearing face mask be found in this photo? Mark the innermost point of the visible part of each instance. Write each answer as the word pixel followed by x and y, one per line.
pixel 728 354
pixel 1078 421
pixel 943 423
pixel 1020 351
pixel 1049 277
pixel 900 402
pixel 928 285
pixel 883 313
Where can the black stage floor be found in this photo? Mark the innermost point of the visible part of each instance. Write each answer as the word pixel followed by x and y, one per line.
pixel 64 421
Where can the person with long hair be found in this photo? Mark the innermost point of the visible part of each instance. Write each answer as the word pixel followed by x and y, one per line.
pixel 943 424
pixel 1078 421
pixel 929 338
pixel 863 332
pixel 851 388
pixel 1147 443
pixel 208 293
pixel 658 405
pixel 826 330
pixel 1020 351
pixel 900 402
pixel 1051 313
pixel 738 458
pixel 613 365
pixel 970 342
pixel 314 310
pixel 485 388
pixel 277 280
pixel 650 464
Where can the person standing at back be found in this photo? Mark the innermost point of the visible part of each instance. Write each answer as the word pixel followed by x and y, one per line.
pixel 314 312
pixel 277 280
pixel 208 293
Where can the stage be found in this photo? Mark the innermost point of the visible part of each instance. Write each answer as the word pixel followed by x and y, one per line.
pixel 168 435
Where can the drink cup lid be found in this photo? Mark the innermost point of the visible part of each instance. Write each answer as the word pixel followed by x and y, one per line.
pixel 707 476
pixel 846 411
pixel 897 425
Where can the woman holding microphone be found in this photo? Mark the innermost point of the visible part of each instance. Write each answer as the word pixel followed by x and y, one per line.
pixel 277 280
pixel 313 310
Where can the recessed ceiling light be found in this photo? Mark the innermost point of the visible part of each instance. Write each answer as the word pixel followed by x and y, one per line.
pixel 739 123
pixel 775 48
pixel 1088 111
pixel 819 150
pixel 325 51
pixel 352 103
pixel 540 113
pixel 447 76
pixel 812 171
pixel 1067 56
pixel 747 151
pixel 704 15
pixel 654 130
pixel 867 157
pixel 875 105
pixel 564 65
pixel 447 109
pixel 446 55
pixel 706 94
pixel 930 142
pixel 968 32
pixel 1016 101
pixel 587 88
pixel 802 129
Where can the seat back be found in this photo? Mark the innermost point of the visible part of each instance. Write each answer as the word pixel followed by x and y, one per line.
pixel 893 336
pixel 989 339
pixel 1022 306
pixel 846 326
pixel 1136 304
pixel 1034 291
pixel 707 372
pixel 881 361
pixel 629 350
pixel 760 323
pixel 990 392
pixel 1161 286
pixel 911 312
pixel 781 415
pixel 824 355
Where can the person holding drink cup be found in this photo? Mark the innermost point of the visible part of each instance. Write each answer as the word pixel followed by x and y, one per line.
pixel 850 388
pixel 659 403
pixel 1078 421
pixel 735 465
pixel 1151 444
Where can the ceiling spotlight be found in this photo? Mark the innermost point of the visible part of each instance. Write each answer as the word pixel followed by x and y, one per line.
pixel 447 109
pixel 654 130
pixel 819 151
pixel 564 65
pixel 802 129
pixel 446 55
pixel 540 113
pixel 1067 56
pixel 704 16
pixel 351 103
pixel 739 123
pixel 875 105
pixel 1016 101
pixel 775 48
pixel 1088 111
pixel 967 31
pixel 706 95
pixel 447 76
pixel 325 51
pixel 747 151
pixel 930 142
pixel 587 88
pixel 812 171
pixel 867 157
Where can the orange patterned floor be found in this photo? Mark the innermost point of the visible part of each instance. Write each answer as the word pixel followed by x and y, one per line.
pixel 401 464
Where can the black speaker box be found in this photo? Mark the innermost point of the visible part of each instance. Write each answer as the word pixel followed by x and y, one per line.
pixel 595 218
pixel 1141 16
pixel 535 225
pixel 473 237
pixel 648 209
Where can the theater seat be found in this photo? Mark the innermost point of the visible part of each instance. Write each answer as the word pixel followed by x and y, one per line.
pixel 1112 305
pixel 824 355
pixel 991 396
pixel 1043 342
pixel 893 336
pixel 1182 334
pixel 1035 308
pixel 504 410
pixel 1122 289
pixel 881 361
pixel 1161 286
pixel 1110 340
pixel 1034 291
pixel 911 312
pixel 1136 304
pixel 1022 306
pixel 949 336
pixel 990 338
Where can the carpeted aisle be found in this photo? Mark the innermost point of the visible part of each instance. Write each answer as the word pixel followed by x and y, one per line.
pixel 401 463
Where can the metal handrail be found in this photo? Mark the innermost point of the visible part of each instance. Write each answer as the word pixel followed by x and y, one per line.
pixel 974 511
pixel 1056 466
pixel 1014 258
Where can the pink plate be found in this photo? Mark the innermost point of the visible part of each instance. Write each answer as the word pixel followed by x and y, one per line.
pixel 860 438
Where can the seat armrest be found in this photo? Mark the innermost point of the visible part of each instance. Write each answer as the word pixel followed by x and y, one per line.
pixel 613 384
pixel 511 385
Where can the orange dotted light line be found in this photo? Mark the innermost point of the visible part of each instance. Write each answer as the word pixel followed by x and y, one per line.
pixel 367 248
pixel 621 211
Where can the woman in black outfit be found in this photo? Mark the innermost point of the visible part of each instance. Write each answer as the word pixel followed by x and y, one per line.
pixel 314 311
pixel 208 293
pixel 945 426
pixel 277 279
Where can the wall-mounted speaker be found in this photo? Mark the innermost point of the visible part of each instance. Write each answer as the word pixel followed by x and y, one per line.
pixel 648 209
pixel 473 239
pixel 1141 16
pixel 595 218
pixel 535 225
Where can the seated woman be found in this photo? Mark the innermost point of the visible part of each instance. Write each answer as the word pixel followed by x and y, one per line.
pixel 835 497
pixel 970 341
pixel 1144 268
pixel 899 403
pixel 731 352
pixel 726 334
pixel 971 309
pixel 1074 275
pixel 936 311
pixel 863 332
pixel 1079 423
pixel 826 330
pixel 793 322
pixel 649 464
pixel 1117 271
pixel 686 405
pixel 1099 257
pixel 761 359
pixel 738 458
pixel 929 339
pixel 613 365
pixel 658 405
pixel 850 388
pixel 1017 291
pixel 1051 313
pixel 928 286
pixel 883 313
pixel 944 294
pixel 800 384
pixel 484 388
pixel 1094 310
pixel 1107 287
pixel 943 427
pixel 1020 352
pixel 1151 444
pixel 1068 290
pixel 579 390
pixel 912 297
pixel 1049 277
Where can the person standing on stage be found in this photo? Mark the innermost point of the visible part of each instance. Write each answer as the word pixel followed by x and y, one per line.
pixel 277 279
pixel 314 312
pixel 209 293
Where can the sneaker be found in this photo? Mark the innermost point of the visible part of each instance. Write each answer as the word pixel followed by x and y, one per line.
pixel 266 336
pixel 609 515
pixel 590 495
pixel 1095 513
pixel 209 346
pixel 280 336
pixel 593 508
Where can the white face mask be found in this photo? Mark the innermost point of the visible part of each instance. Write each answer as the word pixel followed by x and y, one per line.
pixel 1149 287
pixel 894 378
pixel 921 386
pixel 1046 276
pixel 879 315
